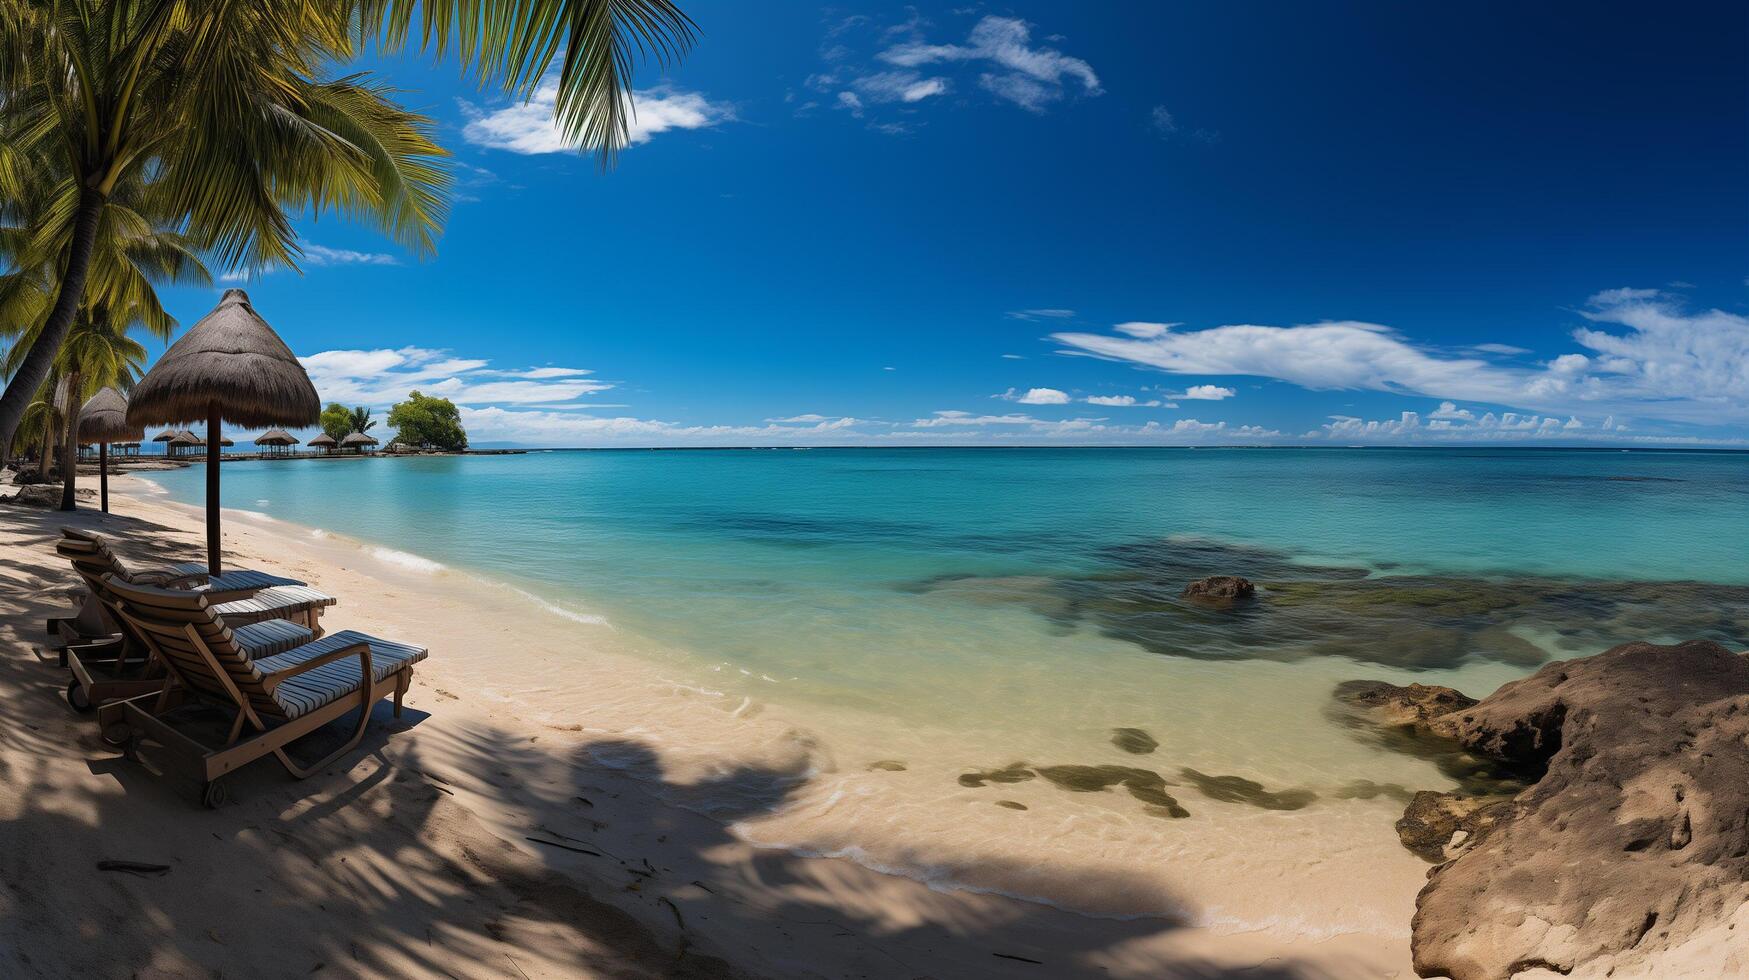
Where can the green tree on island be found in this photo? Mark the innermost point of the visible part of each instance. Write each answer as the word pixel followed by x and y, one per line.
pixel 361 420
pixel 428 423
pixel 336 421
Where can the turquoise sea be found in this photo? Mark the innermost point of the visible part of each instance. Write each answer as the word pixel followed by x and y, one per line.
pixel 964 610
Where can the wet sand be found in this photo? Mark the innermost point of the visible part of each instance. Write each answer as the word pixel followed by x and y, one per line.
pixel 541 810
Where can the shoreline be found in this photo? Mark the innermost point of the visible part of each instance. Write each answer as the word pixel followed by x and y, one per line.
pixel 563 718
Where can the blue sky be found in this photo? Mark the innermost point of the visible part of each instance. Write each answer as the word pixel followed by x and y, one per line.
pixel 1065 224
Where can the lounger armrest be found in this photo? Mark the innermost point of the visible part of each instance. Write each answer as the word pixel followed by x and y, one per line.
pixel 167 578
pixel 360 650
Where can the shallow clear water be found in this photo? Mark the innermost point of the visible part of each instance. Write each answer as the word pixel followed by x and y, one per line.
pixel 961 610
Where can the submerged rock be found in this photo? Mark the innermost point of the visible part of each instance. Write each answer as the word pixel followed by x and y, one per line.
pixel 1630 856
pixel 1401 719
pixel 1417 621
pixel 1436 825
pixel 1133 740
pixel 1389 704
pixel 887 765
pixel 1220 588
pixel 1014 772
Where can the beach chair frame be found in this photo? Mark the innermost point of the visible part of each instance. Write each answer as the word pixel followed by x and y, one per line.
pixel 251 736
pixel 117 666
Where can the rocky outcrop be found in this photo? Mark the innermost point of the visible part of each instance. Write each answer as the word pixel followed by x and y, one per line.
pixel 1220 588
pixel 1630 855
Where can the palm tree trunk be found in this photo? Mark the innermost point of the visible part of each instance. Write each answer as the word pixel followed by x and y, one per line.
pixel 70 445
pixel 48 343
pixel 47 461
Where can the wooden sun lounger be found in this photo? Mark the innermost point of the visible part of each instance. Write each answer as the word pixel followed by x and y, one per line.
pixel 276 700
pixel 246 596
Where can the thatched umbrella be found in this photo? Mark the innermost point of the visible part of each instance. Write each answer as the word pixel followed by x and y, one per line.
pixel 182 439
pixel 276 439
pixel 105 417
pixel 324 441
pixel 165 437
pixel 230 365
pixel 356 441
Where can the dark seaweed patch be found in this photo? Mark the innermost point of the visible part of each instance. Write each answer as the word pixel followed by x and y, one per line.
pixel 1235 789
pixel 1135 741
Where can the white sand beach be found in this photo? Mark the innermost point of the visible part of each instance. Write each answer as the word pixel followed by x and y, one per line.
pixel 417 855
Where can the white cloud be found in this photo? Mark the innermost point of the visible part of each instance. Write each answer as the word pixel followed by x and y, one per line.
pixel 852 102
pixel 316 256
pixel 1144 330
pixel 551 372
pixel 322 255
pixel 1665 364
pixel 1046 314
pixel 1451 424
pixel 1113 401
pixel 1012 357
pixel 1036 396
pixel 898 86
pixel 1204 393
pixel 529 127
pixel 1160 121
pixel 380 377
pixel 1031 77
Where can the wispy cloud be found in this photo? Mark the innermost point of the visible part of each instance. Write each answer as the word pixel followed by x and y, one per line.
pixel 383 376
pixel 1031 76
pixel 866 66
pixel 529 127
pixel 1045 314
pixel 317 256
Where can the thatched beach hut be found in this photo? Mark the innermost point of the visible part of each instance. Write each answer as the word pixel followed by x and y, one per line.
pixel 105 417
pixel 357 442
pixel 324 442
pixel 165 437
pixel 276 440
pixel 230 366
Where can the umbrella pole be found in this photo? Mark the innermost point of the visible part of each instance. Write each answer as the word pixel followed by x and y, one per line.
pixel 103 473
pixel 212 490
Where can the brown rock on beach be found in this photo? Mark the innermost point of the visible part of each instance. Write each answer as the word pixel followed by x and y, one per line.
pixel 1630 856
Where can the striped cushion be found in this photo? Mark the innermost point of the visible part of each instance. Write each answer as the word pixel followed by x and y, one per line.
pixel 275 603
pixel 245 579
pixel 304 693
pixel 268 637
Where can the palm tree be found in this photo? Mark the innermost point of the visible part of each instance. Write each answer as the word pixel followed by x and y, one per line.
pixel 131 254
pixel 97 353
pixel 361 420
pixel 227 105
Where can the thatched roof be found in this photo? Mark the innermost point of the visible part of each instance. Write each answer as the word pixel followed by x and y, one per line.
pixel 166 435
pixel 322 440
pixel 233 360
pixel 105 418
pixel 186 439
pixel 276 437
pixel 358 439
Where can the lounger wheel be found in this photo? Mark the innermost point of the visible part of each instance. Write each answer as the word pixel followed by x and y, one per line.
pixel 118 733
pixel 214 794
pixel 76 697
